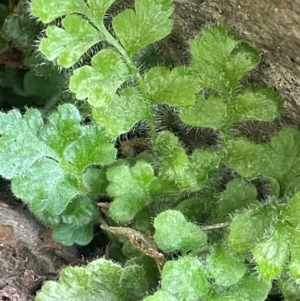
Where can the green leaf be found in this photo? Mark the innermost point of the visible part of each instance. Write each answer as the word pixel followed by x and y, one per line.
pixel 261 104
pixel 148 23
pixel 185 279
pixel 52 9
pixel 171 154
pixel 19 28
pixel 51 291
pixel 94 146
pixel 239 194
pixel 243 155
pixel 194 209
pixel 80 211
pixel 243 59
pixel 68 234
pixel 223 298
pixel 95 180
pixel 294 243
pixel 99 280
pixel 133 281
pixel 149 265
pixel 202 115
pixel 244 288
pixel 122 113
pixel 65 120
pixel 105 279
pixel 292 209
pixel 247 229
pixel 46 163
pixel 173 233
pixel 190 173
pixel 143 220
pixel 20 147
pixel 12 120
pixel 162 187
pixel 281 160
pixel 225 267
pixel 99 8
pixel 44 86
pixel 272 254
pixel 100 81
pixel 214 45
pixel 174 88
pixel 130 189
pixel 201 167
pixel 217 61
pixel 289 287
pixel 50 189
pixel 161 296
pixel 68 44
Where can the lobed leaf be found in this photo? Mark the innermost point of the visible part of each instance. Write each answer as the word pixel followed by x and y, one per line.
pixel 161 296
pixel 65 120
pixel 248 228
pixel 190 173
pixel 100 81
pixel 221 298
pixel 243 155
pixel 281 160
pixel 185 279
pixel 99 7
pixel 225 267
pixel 171 154
pixel 239 194
pixel 99 280
pixel 244 288
pixel 148 23
pixel 68 234
pixel 272 254
pixel 218 59
pixel 45 187
pixel 130 189
pixel 20 146
pixel 80 211
pixel 18 28
pixel 175 88
pixel 242 60
pixel 69 43
pixel 291 211
pixel 289 287
pixel 134 282
pixel 202 165
pixel 95 180
pixel 122 113
pixel 202 115
pixel 48 165
pixel 94 146
pixel 261 104
pixel 173 233
pixel 294 243
pixel 12 120
pixel 194 209
pixel 48 11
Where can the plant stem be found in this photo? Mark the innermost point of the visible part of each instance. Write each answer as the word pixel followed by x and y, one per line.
pixel 109 38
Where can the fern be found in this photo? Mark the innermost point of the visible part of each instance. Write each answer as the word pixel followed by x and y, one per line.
pixel 59 165
pixel 49 165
